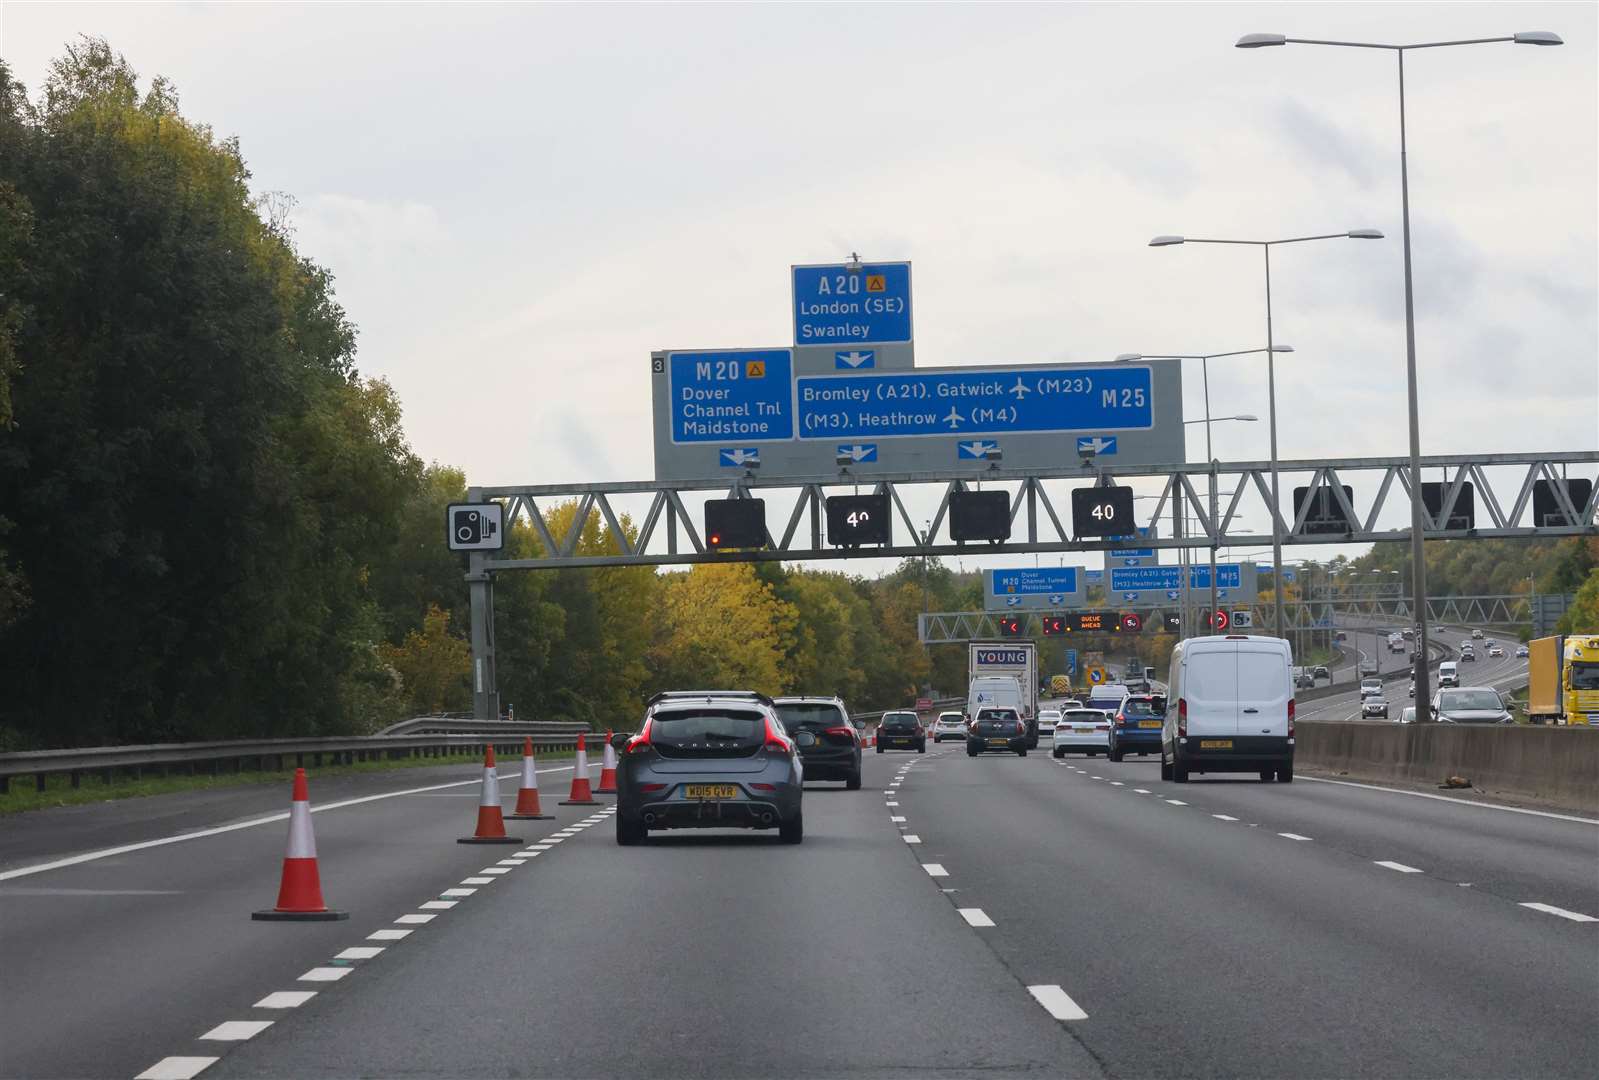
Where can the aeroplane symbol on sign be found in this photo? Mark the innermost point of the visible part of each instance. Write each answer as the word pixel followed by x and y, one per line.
pixel 1020 390
pixel 855 359
pixel 738 458
pixel 954 419
pixel 976 450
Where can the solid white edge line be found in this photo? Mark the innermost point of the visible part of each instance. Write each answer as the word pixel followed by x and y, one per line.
pixel 1451 799
pixel 237 1030
pixel 1399 866
pixel 198 834
pixel 177 1068
pixel 1550 909
pixel 975 916
pixel 1057 1003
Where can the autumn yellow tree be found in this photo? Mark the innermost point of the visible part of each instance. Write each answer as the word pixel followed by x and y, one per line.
pixel 719 626
pixel 434 665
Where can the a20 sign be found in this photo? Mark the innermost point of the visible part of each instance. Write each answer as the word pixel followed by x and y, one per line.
pixel 1102 511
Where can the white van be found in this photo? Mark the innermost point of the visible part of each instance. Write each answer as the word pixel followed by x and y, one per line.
pixel 1230 708
pixel 1107 697
pixel 1449 673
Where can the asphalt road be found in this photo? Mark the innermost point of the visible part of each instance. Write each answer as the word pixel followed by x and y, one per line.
pixel 1075 927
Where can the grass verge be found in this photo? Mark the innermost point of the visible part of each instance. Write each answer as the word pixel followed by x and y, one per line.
pixel 58 790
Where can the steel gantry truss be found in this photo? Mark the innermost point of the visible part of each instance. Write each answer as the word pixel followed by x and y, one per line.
pixel 651 523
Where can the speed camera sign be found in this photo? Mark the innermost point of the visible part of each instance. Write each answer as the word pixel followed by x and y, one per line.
pixel 475 526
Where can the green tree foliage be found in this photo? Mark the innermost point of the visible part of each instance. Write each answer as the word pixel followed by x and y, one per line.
pixel 1490 567
pixel 433 666
pixel 1582 617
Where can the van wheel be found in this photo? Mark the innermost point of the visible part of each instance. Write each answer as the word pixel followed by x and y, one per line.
pixel 1285 776
pixel 1179 772
pixel 1266 775
pixel 1165 767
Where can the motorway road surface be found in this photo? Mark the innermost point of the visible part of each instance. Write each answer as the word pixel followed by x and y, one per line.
pixel 985 917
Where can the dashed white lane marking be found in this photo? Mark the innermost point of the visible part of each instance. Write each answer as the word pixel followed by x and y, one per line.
pixel 1292 836
pixel 890 793
pixel 1550 909
pixel 389 935
pixel 912 838
pixel 457 892
pixel 935 869
pixel 1095 777
pixel 1056 1002
pixel 496 870
pixel 285 999
pixel 537 848
pixel 325 974
pixel 415 920
pixel 1399 866
pixel 1176 802
pixel 359 952
pixel 177 1068
pixel 891 817
pixel 550 840
pixel 512 861
pixel 1445 798
pixel 1116 783
pixel 1223 817
pixel 469 881
pixel 975 916
pixel 106 853
pixel 237 1030
pixel 1141 791
pixel 891 804
pixel 438 905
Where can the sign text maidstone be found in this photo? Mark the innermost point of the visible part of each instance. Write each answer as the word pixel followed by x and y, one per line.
pixel 742 395
pixel 986 401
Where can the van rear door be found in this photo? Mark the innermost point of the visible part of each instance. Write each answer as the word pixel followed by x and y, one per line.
pixel 1263 690
pixel 1210 690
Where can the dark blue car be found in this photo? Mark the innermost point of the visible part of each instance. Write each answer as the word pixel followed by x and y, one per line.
pixel 1136 726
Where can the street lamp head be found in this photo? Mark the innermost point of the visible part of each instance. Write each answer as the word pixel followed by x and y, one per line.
pixel 1537 37
pixel 1127 356
pixel 1259 41
pixel 1165 241
pixel 1365 234
pixel 1282 348
pixel 1247 417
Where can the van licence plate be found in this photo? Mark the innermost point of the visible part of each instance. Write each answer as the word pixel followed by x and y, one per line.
pixel 1215 744
pixel 710 791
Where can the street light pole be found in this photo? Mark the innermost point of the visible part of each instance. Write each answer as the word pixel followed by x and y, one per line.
pixel 1271 384
pixel 1418 554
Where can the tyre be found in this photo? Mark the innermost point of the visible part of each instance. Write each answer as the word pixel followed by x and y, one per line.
pixel 1114 755
pixel 1091 753
pixel 1266 775
pixel 921 748
pixel 1286 775
pixel 879 748
pixel 792 831
pixel 1022 752
pixel 628 832
pixel 1058 752
pixel 853 783
pixel 1179 772
pixel 970 752
pixel 1165 767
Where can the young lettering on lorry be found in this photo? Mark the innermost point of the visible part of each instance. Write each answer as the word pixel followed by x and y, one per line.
pixel 1005 673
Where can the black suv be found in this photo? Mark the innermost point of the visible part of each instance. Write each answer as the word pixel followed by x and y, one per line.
pixel 902 730
pixel 997 729
pixel 829 745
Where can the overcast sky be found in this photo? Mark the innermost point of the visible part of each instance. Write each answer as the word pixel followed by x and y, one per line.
pixel 520 202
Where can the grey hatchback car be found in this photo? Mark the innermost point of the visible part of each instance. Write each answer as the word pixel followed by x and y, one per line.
pixel 709 759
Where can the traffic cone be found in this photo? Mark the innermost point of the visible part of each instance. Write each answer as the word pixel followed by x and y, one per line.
pixel 581 795
pixel 300 891
pixel 490 823
pixel 607 768
pixel 527 796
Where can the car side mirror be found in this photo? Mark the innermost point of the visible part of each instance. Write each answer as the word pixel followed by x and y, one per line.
pixel 860 725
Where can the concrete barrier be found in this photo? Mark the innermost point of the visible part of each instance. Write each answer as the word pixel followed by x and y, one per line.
pixel 1553 764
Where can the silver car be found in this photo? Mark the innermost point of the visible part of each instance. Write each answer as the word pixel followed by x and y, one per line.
pixel 709 759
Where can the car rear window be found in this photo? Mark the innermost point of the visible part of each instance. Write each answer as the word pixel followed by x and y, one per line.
pixel 1140 710
pixel 997 727
pixel 1085 716
pixel 707 732
pixel 814 715
pixel 1470 699
pixel 899 721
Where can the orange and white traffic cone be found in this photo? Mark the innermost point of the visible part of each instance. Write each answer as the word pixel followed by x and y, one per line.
pixel 527 796
pixel 581 795
pixel 300 891
pixel 490 822
pixel 607 785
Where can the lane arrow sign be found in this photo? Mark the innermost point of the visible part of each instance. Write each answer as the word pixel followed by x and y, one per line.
pixel 737 458
pixel 1097 444
pixel 859 452
pixel 977 449
pixel 855 359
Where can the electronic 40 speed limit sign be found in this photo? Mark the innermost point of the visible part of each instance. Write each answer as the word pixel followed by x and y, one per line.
pixel 1102 511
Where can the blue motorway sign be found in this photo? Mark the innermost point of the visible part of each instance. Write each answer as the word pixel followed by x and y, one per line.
pixel 1228 576
pixel 1094 577
pixel 1071 661
pixel 994 401
pixel 1043 580
pixel 731 395
pixel 1133 553
pixel 835 305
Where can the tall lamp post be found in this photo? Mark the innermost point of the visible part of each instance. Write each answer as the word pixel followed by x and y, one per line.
pixel 1418 576
pixel 1204 362
pixel 1271 384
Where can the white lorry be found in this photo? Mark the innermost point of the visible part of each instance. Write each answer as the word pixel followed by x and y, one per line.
pixel 1396 642
pixel 1004 674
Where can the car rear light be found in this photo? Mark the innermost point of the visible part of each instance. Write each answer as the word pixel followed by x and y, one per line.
pixel 764 787
pixel 1182 718
pixel 776 742
pixel 839 731
pixel 1290 718
pixel 640 743
pixel 650 789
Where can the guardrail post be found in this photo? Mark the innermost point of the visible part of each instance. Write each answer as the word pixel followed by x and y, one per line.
pixel 38 782
pixel 75 778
